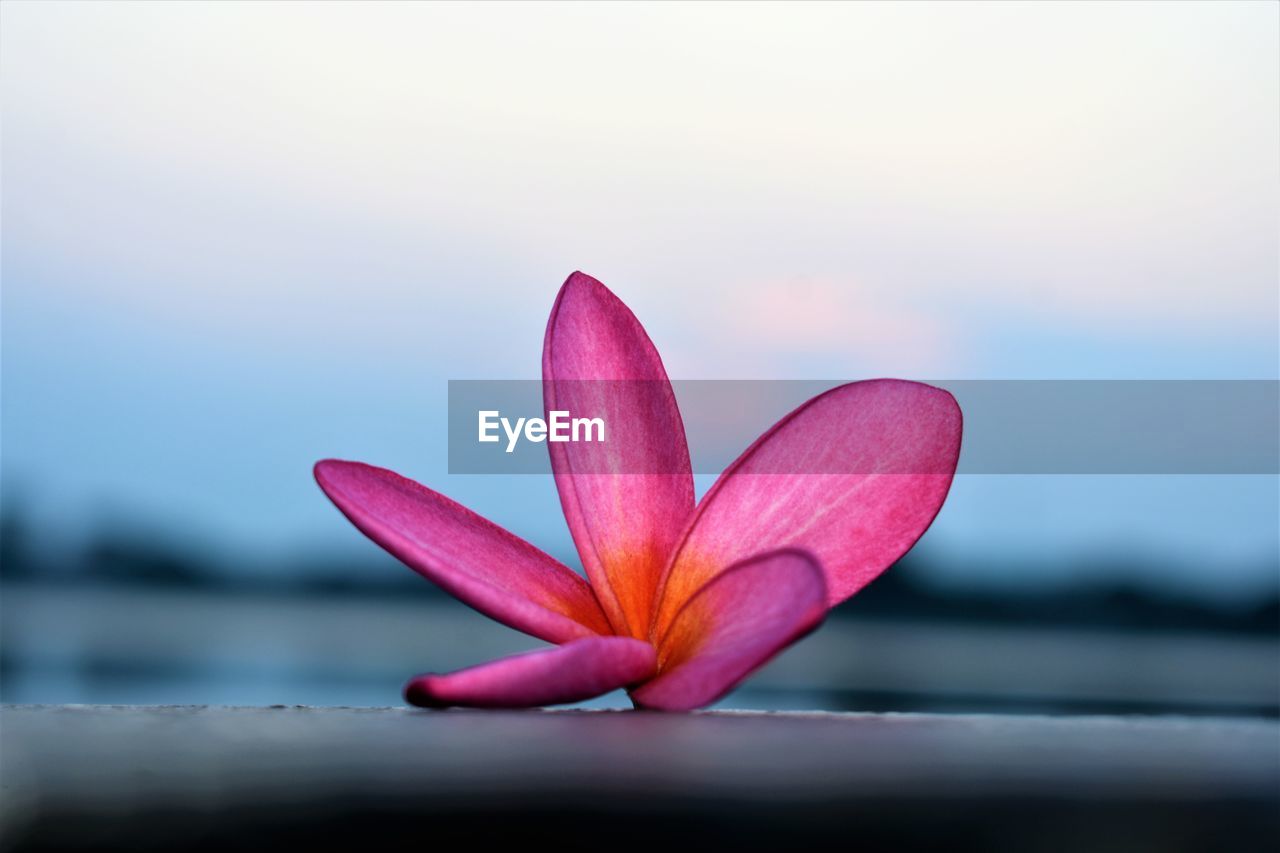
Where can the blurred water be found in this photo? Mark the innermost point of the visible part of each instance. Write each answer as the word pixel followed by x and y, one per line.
pixel 104 644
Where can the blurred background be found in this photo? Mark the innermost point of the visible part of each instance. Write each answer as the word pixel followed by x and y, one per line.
pixel 240 238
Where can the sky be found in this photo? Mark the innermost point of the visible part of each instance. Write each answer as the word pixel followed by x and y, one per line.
pixel 238 238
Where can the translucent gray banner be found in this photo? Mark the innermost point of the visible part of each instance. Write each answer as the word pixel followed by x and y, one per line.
pixel 1010 426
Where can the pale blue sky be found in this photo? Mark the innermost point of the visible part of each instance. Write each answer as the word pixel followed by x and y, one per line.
pixel 237 238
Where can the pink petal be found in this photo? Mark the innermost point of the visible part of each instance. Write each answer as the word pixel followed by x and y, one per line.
pixel 627 499
pixel 733 625
pixel 468 556
pixel 854 476
pixel 570 673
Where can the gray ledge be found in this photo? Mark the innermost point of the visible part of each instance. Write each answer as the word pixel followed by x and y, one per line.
pixel 204 777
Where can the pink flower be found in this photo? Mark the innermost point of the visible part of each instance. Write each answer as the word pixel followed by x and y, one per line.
pixel 681 602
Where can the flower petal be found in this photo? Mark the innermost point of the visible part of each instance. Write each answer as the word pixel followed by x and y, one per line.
pixel 854 476
pixel 468 556
pixel 734 624
pixel 626 499
pixel 570 673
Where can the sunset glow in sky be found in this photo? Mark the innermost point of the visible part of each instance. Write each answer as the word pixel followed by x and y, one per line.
pixel 241 237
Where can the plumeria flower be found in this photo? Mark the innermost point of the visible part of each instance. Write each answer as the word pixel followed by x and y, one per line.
pixel 680 601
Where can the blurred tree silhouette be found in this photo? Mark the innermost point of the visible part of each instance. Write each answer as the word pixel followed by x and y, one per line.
pixel 903 592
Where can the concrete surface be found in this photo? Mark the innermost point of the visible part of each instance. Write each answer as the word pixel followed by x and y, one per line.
pixel 195 777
